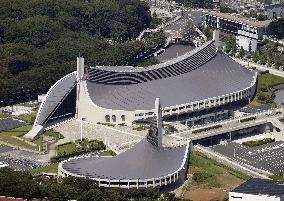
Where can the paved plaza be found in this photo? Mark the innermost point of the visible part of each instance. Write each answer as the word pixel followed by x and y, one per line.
pixel 268 157
pixel 118 137
pixel 174 51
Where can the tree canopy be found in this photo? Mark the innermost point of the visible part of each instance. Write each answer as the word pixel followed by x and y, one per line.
pixel 39 40
pixel 277 28
pixel 197 3
pixel 23 185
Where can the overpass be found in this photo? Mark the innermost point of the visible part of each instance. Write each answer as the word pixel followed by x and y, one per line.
pixel 277 123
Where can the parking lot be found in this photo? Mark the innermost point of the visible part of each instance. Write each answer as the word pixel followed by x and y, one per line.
pixel 268 157
pixel 10 156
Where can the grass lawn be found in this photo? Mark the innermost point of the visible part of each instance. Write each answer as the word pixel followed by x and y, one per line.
pixel 55 135
pixel 277 178
pixel 78 147
pixel 269 80
pixel 208 176
pixel 254 103
pixel 7 136
pixel 3 115
pixel 49 169
pixel 108 153
pixel 38 141
pixel 264 93
pixel 29 118
pixel 66 149
pixel 141 128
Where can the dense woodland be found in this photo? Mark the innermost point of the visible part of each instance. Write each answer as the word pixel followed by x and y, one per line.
pixel 197 3
pixel 23 185
pixel 277 28
pixel 40 40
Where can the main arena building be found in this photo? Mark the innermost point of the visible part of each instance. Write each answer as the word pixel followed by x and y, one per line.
pixel 200 86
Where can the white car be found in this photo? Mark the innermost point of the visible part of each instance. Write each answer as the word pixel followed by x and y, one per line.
pixel 2 165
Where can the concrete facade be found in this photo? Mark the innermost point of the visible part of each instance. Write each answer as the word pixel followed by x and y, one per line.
pixel 93 113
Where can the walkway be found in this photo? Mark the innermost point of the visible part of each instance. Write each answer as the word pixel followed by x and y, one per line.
pixel 234 124
pixel 260 67
pixel 277 123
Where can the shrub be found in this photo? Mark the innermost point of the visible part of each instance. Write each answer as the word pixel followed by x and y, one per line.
pixel 247 119
pixel 141 128
pixel 207 129
pixel 255 143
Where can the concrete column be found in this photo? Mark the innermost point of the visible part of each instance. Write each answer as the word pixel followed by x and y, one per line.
pixel 216 34
pixel 80 68
pixel 158 112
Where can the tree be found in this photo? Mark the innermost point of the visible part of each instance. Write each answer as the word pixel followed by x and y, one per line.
pixel 241 53
pixel 250 46
pixel 230 44
pixel 189 31
pixel 208 33
pixel 227 9
pixel 277 28
pixel 261 17
pixel 39 40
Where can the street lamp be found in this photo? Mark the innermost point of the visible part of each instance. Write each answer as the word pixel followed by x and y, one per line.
pixel 83 119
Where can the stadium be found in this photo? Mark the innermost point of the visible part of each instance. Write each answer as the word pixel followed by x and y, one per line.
pixel 201 86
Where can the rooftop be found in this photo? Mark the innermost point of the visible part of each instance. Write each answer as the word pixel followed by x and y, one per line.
pixel 241 19
pixel 257 186
pixel 219 76
pixel 142 161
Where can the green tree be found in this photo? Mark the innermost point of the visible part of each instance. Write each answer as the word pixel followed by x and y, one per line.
pixel 277 28
pixel 208 33
pixel 39 40
pixel 241 53
pixel 189 31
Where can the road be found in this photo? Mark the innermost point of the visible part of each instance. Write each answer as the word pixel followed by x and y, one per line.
pixel 260 67
pixel 194 15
